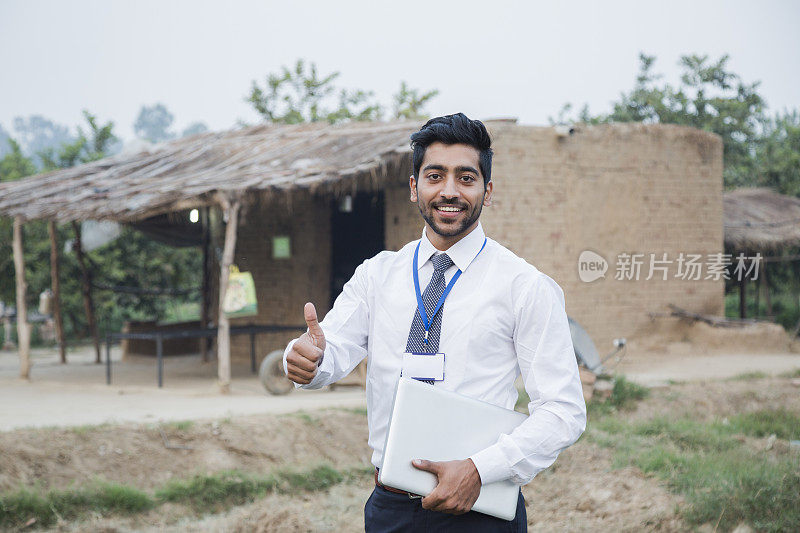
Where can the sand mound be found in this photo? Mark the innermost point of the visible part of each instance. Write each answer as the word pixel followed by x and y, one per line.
pixel 677 336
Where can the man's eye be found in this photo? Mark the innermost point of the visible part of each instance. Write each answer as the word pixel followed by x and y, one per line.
pixel 468 178
pixel 433 176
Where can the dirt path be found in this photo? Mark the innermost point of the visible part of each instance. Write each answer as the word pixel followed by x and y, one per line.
pixel 76 394
pixel 662 369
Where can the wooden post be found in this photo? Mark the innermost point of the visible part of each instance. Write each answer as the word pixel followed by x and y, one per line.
pixel 56 285
pixel 758 296
pixel 742 299
pixel 88 304
pixel 767 297
pixel 224 332
pixel 742 296
pixel 204 303
pixel 23 328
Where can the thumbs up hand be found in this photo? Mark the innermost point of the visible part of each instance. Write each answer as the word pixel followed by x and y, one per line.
pixel 306 354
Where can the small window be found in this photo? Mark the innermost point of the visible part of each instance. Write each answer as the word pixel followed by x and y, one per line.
pixel 281 247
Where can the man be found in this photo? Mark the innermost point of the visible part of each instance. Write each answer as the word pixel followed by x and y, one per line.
pixel 500 317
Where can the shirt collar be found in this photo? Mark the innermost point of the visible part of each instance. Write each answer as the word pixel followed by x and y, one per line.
pixel 462 253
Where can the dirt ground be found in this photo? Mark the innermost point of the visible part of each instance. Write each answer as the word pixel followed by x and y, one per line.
pixel 77 394
pixel 49 437
pixel 581 492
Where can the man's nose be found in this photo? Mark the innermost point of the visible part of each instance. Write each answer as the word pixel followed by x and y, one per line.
pixel 449 188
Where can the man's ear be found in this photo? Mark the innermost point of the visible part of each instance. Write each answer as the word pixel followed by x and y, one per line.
pixel 487 196
pixel 412 184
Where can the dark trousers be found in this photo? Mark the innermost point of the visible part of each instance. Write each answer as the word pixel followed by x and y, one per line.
pixel 388 512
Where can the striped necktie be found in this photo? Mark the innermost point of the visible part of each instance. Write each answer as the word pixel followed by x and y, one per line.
pixel 416 337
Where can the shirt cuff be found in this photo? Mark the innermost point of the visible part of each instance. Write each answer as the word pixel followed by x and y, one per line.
pixel 491 464
pixel 324 369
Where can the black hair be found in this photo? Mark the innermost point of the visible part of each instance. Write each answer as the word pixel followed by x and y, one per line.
pixel 453 129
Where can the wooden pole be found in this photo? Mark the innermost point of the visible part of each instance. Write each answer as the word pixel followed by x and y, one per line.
pixel 758 296
pixel 204 296
pixel 742 297
pixel 88 304
pixel 767 296
pixel 56 285
pixel 23 328
pixel 224 332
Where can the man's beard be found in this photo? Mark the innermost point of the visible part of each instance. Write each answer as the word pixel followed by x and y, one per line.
pixel 451 230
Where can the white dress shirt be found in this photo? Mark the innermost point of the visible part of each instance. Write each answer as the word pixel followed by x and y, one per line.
pixel 502 317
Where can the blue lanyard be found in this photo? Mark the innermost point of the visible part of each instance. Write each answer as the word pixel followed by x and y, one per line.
pixel 420 304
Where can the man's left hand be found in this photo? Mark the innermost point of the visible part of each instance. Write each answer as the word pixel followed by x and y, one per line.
pixel 458 488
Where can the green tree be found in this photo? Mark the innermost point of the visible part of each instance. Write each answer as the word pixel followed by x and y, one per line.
pixel 4 138
pixel 13 166
pixel 36 133
pixel 301 94
pixel 709 97
pixel 83 149
pixel 153 123
pixel 409 103
pixel 133 260
pixel 194 128
pixel 778 153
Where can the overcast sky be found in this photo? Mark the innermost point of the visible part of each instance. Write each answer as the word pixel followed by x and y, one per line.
pixel 488 59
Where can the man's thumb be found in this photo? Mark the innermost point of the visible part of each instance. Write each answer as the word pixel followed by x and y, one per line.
pixel 314 329
pixel 428 466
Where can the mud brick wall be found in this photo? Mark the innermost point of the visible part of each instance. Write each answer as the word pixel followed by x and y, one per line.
pixel 403 221
pixel 283 286
pixel 625 188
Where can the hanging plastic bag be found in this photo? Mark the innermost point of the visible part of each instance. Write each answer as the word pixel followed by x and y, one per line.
pixel 240 298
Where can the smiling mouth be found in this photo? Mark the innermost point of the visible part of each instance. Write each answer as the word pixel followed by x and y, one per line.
pixel 449 208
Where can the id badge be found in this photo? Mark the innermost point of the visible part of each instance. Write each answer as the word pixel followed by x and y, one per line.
pixel 423 366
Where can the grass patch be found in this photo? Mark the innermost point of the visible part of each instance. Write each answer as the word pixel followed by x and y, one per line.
pixel 85 429
pixel 748 376
pixel 791 374
pixel 627 393
pixel 204 493
pixel 180 425
pixel 624 397
pixel 721 479
pixel 522 401
pixel 214 492
pixel 221 490
pixel 782 423
pixel 354 410
pixel 18 507
pixel 304 416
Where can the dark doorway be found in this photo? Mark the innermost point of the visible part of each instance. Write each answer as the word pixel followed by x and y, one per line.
pixel 356 234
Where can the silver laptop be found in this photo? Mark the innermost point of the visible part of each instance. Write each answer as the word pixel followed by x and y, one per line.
pixel 438 425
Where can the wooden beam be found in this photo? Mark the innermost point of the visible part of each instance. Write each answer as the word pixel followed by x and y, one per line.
pixel 23 328
pixel 55 283
pixel 204 293
pixel 88 303
pixel 231 210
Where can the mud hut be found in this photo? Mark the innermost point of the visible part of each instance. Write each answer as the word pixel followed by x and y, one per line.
pixel 761 221
pixel 301 206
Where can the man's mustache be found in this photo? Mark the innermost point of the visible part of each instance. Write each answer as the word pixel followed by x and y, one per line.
pixel 453 203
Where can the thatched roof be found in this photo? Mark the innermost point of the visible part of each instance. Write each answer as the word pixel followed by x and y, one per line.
pixel 196 170
pixel 760 219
